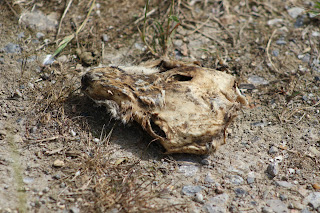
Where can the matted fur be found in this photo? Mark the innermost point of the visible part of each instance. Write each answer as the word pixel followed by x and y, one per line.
pixel 184 106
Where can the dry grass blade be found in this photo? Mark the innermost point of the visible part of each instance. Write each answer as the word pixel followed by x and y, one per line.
pixel 268 47
pixel 62 17
pixel 69 38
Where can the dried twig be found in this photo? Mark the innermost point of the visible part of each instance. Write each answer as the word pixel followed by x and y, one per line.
pixel 203 24
pixel 147 15
pixel 62 17
pixel 226 29
pixel 268 46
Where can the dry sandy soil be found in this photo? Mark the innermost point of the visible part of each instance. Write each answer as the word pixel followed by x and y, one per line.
pixel 60 152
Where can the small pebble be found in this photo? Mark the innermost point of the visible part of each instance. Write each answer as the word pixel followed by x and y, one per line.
pixel 283 197
pixel 313 199
pixel 74 210
pixel 39 35
pixel 63 59
pixel 236 179
pixel 274 21
pixel 294 12
pixel 281 42
pixel 58 163
pixel 316 186
pixel 273 169
pixel 251 178
pixel 46 190
pixel 189 169
pixel 315 33
pixel 57 176
pixel 273 150
pixel 205 161
pixel 275 52
pixel 240 192
pixel 73 133
pixel 266 210
pixel 33 129
pixel 190 190
pixel 21 35
pixel 299 22
pixel 208 178
pixel 105 37
pixel 198 197
pixel 290 205
pixel 79 67
pixel 12 48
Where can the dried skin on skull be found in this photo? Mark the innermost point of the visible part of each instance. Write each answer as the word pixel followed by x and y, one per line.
pixel 186 107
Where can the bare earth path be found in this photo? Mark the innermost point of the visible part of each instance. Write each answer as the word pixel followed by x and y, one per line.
pixel 59 152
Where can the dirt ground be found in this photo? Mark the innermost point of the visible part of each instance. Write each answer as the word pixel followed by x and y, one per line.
pixel 60 152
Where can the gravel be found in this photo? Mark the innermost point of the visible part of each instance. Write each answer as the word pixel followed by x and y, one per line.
pixel 313 199
pixel 190 190
pixel 273 169
pixel 273 150
pixel 295 12
pixel 12 48
pixel 277 206
pixel 189 170
pixel 38 21
pixel 284 184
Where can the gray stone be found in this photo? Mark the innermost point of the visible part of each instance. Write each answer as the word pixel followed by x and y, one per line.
pixel 190 190
pixel 273 169
pixel 274 21
pixel 300 21
pixel 313 199
pixel 208 178
pixel 217 204
pixel 281 42
pixel 63 59
pixel 105 37
pixel 275 52
pixel 12 48
pixel 39 35
pixel 266 209
pixel 205 161
pixel 277 206
pixel 236 179
pixel 257 80
pixel 306 58
pixel 295 12
pixel 315 34
pixel 46 190
pixel 273 150
pixel 189 170
pixel 219 200
pixel 214 209
pixel 198 197
pixel 305 211
pixel 1 60
pixel 283 197
pixel 250 180
pixel 74 210
pixel 240 192
pixel 28 180
pixel 38 21
pixel 314 150
pixel 21 35
pixel 284 184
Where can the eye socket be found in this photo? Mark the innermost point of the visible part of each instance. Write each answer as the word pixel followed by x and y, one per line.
pixel 179 77
pixel 157 130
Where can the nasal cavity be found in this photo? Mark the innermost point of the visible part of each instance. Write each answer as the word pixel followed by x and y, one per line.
pixel 179 77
